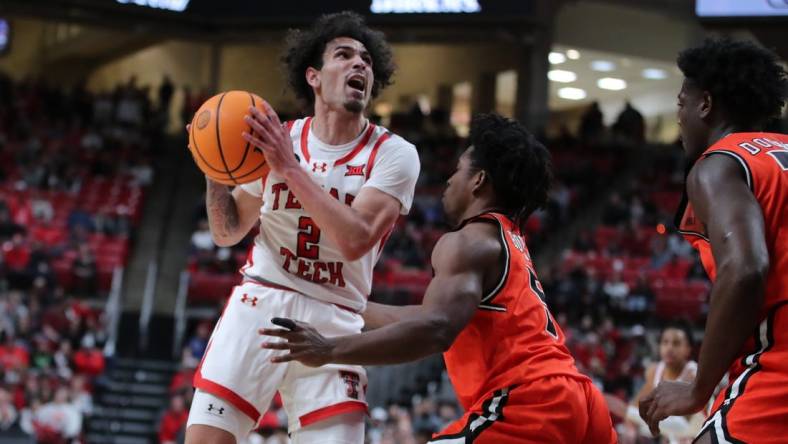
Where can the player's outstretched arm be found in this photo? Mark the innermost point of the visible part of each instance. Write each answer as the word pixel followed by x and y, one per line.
pixel 461 261
pixel 354 229
pixel 231 214
pixel 380 315
pixel 724 203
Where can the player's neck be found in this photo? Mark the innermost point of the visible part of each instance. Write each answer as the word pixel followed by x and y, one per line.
pixel 476 208
pixel 673 371
pixel 719 131
pixel 336 128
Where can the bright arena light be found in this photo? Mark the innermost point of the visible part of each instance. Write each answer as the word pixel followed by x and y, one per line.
pixel 172 5
pixel 570 93
pixel 572 54
pixel 603 65
pixel 556 58
pixel 561 76
pixel 611 83
pixel 654 74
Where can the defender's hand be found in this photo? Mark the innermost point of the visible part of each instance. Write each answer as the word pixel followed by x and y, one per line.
pixel 304 343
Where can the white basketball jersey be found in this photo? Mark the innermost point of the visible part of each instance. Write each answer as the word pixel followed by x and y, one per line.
pixel 291 250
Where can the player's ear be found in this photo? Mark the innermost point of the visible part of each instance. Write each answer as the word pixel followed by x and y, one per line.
pixel 705 104
pixel 312 77
pixel 479 179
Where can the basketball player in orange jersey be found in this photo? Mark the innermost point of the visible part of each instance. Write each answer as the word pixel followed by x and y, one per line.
pixel 736 214
pixel 484 308
pixel 336 187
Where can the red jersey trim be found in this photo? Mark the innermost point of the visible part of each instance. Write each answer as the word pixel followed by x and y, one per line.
pixel 371 161
pixel 304 138
pixel 360 146
pixel 228 395
pixel 331 411
pixel 289 125
pixel 219 390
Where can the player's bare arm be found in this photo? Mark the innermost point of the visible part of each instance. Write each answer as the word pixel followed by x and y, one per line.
pixel 380 315
pixel 354 229
pixel 465 264
pixel 723 201
pixel 231 214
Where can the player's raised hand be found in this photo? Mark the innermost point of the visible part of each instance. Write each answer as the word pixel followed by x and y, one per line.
pixel 304 343
pixel 273 138
pixel 670 398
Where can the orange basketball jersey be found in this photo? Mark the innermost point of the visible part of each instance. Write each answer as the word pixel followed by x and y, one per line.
pixel 764 161
pixel 512 339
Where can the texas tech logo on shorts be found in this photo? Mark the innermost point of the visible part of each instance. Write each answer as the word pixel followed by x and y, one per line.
pixel 351 381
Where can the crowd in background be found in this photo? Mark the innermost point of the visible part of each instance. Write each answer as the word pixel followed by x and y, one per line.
pixel 73 165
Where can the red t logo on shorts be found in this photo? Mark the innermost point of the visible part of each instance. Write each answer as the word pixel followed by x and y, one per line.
pixel 351 381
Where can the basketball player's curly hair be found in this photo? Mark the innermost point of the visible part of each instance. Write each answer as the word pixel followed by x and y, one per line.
pixel 519 166
pixel 746 80
pixel 304 49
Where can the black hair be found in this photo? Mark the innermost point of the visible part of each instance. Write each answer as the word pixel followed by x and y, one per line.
pixel 518 165
pixel 681 325
pixel 746 80
pixel 304 49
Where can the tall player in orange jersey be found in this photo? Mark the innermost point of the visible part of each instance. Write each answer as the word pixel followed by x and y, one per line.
pixel 736 215
pixel 484 308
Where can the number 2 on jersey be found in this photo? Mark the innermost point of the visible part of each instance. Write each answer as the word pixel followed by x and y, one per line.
pixel 536 287
pixel 308 239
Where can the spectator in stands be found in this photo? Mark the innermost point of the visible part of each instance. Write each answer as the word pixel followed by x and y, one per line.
pixel 630 126
pixel 14 357
pixel 89 359
pixel 58 419
pixel 80 395
pixel 199 342
pixel 171 425
pixel 41 207
pixel 592 125
pixel 84 272
pixel 8 413
pixel 8 228
pixel 80 217
pixel 166 90
pixel 616 211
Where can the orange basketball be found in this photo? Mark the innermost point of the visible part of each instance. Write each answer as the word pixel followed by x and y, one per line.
pixel 217 145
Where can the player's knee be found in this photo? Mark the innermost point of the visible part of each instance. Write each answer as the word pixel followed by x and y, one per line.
pixel 205 434
pixel 341 429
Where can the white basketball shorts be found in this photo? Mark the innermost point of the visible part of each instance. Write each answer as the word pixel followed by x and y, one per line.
pixel 236 369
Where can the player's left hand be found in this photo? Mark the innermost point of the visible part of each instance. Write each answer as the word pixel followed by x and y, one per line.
pixel 670 398
pixel 271 136
pixel 304 343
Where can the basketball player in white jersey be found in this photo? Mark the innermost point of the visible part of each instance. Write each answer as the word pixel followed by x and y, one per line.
pixel 675 353
pixel 337 185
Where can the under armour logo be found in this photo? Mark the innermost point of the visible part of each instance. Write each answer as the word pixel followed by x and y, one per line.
pixel 322 167
pixel 355 170
pixel 352 382
pixel 219 409
pixel 252 301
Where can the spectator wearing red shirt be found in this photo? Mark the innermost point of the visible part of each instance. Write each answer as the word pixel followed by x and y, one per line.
pixel 173 421
pixel 89 359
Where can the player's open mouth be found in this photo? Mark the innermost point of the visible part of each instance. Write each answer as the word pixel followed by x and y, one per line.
pixel 357 82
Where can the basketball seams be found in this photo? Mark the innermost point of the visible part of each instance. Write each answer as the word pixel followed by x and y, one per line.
pixel 219 139
pixel 224 176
